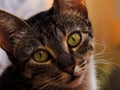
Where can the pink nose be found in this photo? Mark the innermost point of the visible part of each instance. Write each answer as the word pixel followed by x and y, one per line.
pixel 70 69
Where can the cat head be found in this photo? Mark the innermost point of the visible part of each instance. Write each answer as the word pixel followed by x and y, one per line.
pixel 53 48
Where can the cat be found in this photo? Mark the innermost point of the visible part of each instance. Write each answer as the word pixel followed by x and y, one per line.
pixel 50 51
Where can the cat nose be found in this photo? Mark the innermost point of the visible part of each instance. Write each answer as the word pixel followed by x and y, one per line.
pixel 70 69
pixel 66 63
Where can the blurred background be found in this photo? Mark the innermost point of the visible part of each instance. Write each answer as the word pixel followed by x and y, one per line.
pixel 105 18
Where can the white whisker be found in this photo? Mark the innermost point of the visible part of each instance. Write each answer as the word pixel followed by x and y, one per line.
pixel 86 83
pixel 106 62
pixel 105 71
pixel 103 50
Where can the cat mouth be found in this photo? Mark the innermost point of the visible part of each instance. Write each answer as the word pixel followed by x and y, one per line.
pixel 76 80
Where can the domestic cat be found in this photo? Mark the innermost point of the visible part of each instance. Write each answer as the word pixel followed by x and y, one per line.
pixel 50 51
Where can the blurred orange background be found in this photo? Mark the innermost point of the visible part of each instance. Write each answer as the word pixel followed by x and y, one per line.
pixel 105 17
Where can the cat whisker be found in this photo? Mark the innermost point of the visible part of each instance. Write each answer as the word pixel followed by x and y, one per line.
pixel 107 59
pixel 102 78
pixel 106 62
pixel 81 62
pixel 82 68
pixel 36 86
pixel 83 65
pixel 105 54
pixel 45 84
pixel 55 88
pixel 86 83
pixel 49 80
pixel 105 71
pixel 60 80
pixel 103 50
pixel 102 61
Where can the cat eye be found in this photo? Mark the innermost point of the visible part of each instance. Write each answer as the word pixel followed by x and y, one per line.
pixel 41 56
pixel 74 39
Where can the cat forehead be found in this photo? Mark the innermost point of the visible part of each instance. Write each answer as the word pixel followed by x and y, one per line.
pixel 49 24
pixel 49 29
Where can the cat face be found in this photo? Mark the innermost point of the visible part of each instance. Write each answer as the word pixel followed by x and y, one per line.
pixel 61 53
pixel 52 49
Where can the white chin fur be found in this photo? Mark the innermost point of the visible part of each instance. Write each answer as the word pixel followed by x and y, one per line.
pixel 93 81
pixel 4 61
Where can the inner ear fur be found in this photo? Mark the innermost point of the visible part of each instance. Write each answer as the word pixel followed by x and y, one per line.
pixel 63 5
pixel 10 27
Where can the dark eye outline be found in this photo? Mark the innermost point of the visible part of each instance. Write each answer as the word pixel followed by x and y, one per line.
pixel 77 32
pixel 39 51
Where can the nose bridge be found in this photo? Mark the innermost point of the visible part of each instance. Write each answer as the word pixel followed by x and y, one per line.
pixel 66 63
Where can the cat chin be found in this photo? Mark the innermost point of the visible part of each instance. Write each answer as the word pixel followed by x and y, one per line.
pixel 73 84
pixel 77 81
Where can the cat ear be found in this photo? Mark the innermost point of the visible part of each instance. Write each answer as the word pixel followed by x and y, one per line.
pixel 10 29
pixel 67 5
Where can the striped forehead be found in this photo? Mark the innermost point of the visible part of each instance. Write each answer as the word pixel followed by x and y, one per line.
pixel 50 28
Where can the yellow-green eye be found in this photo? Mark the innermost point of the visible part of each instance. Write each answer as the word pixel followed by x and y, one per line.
pixel 41 56
pixel 74 39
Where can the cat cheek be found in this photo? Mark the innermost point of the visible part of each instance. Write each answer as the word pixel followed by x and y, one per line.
pixel 77 71
pixel 87 55
pixel 27 74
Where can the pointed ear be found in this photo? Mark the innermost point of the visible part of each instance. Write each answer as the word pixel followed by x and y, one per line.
pixel 65 5
pixel 10 29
